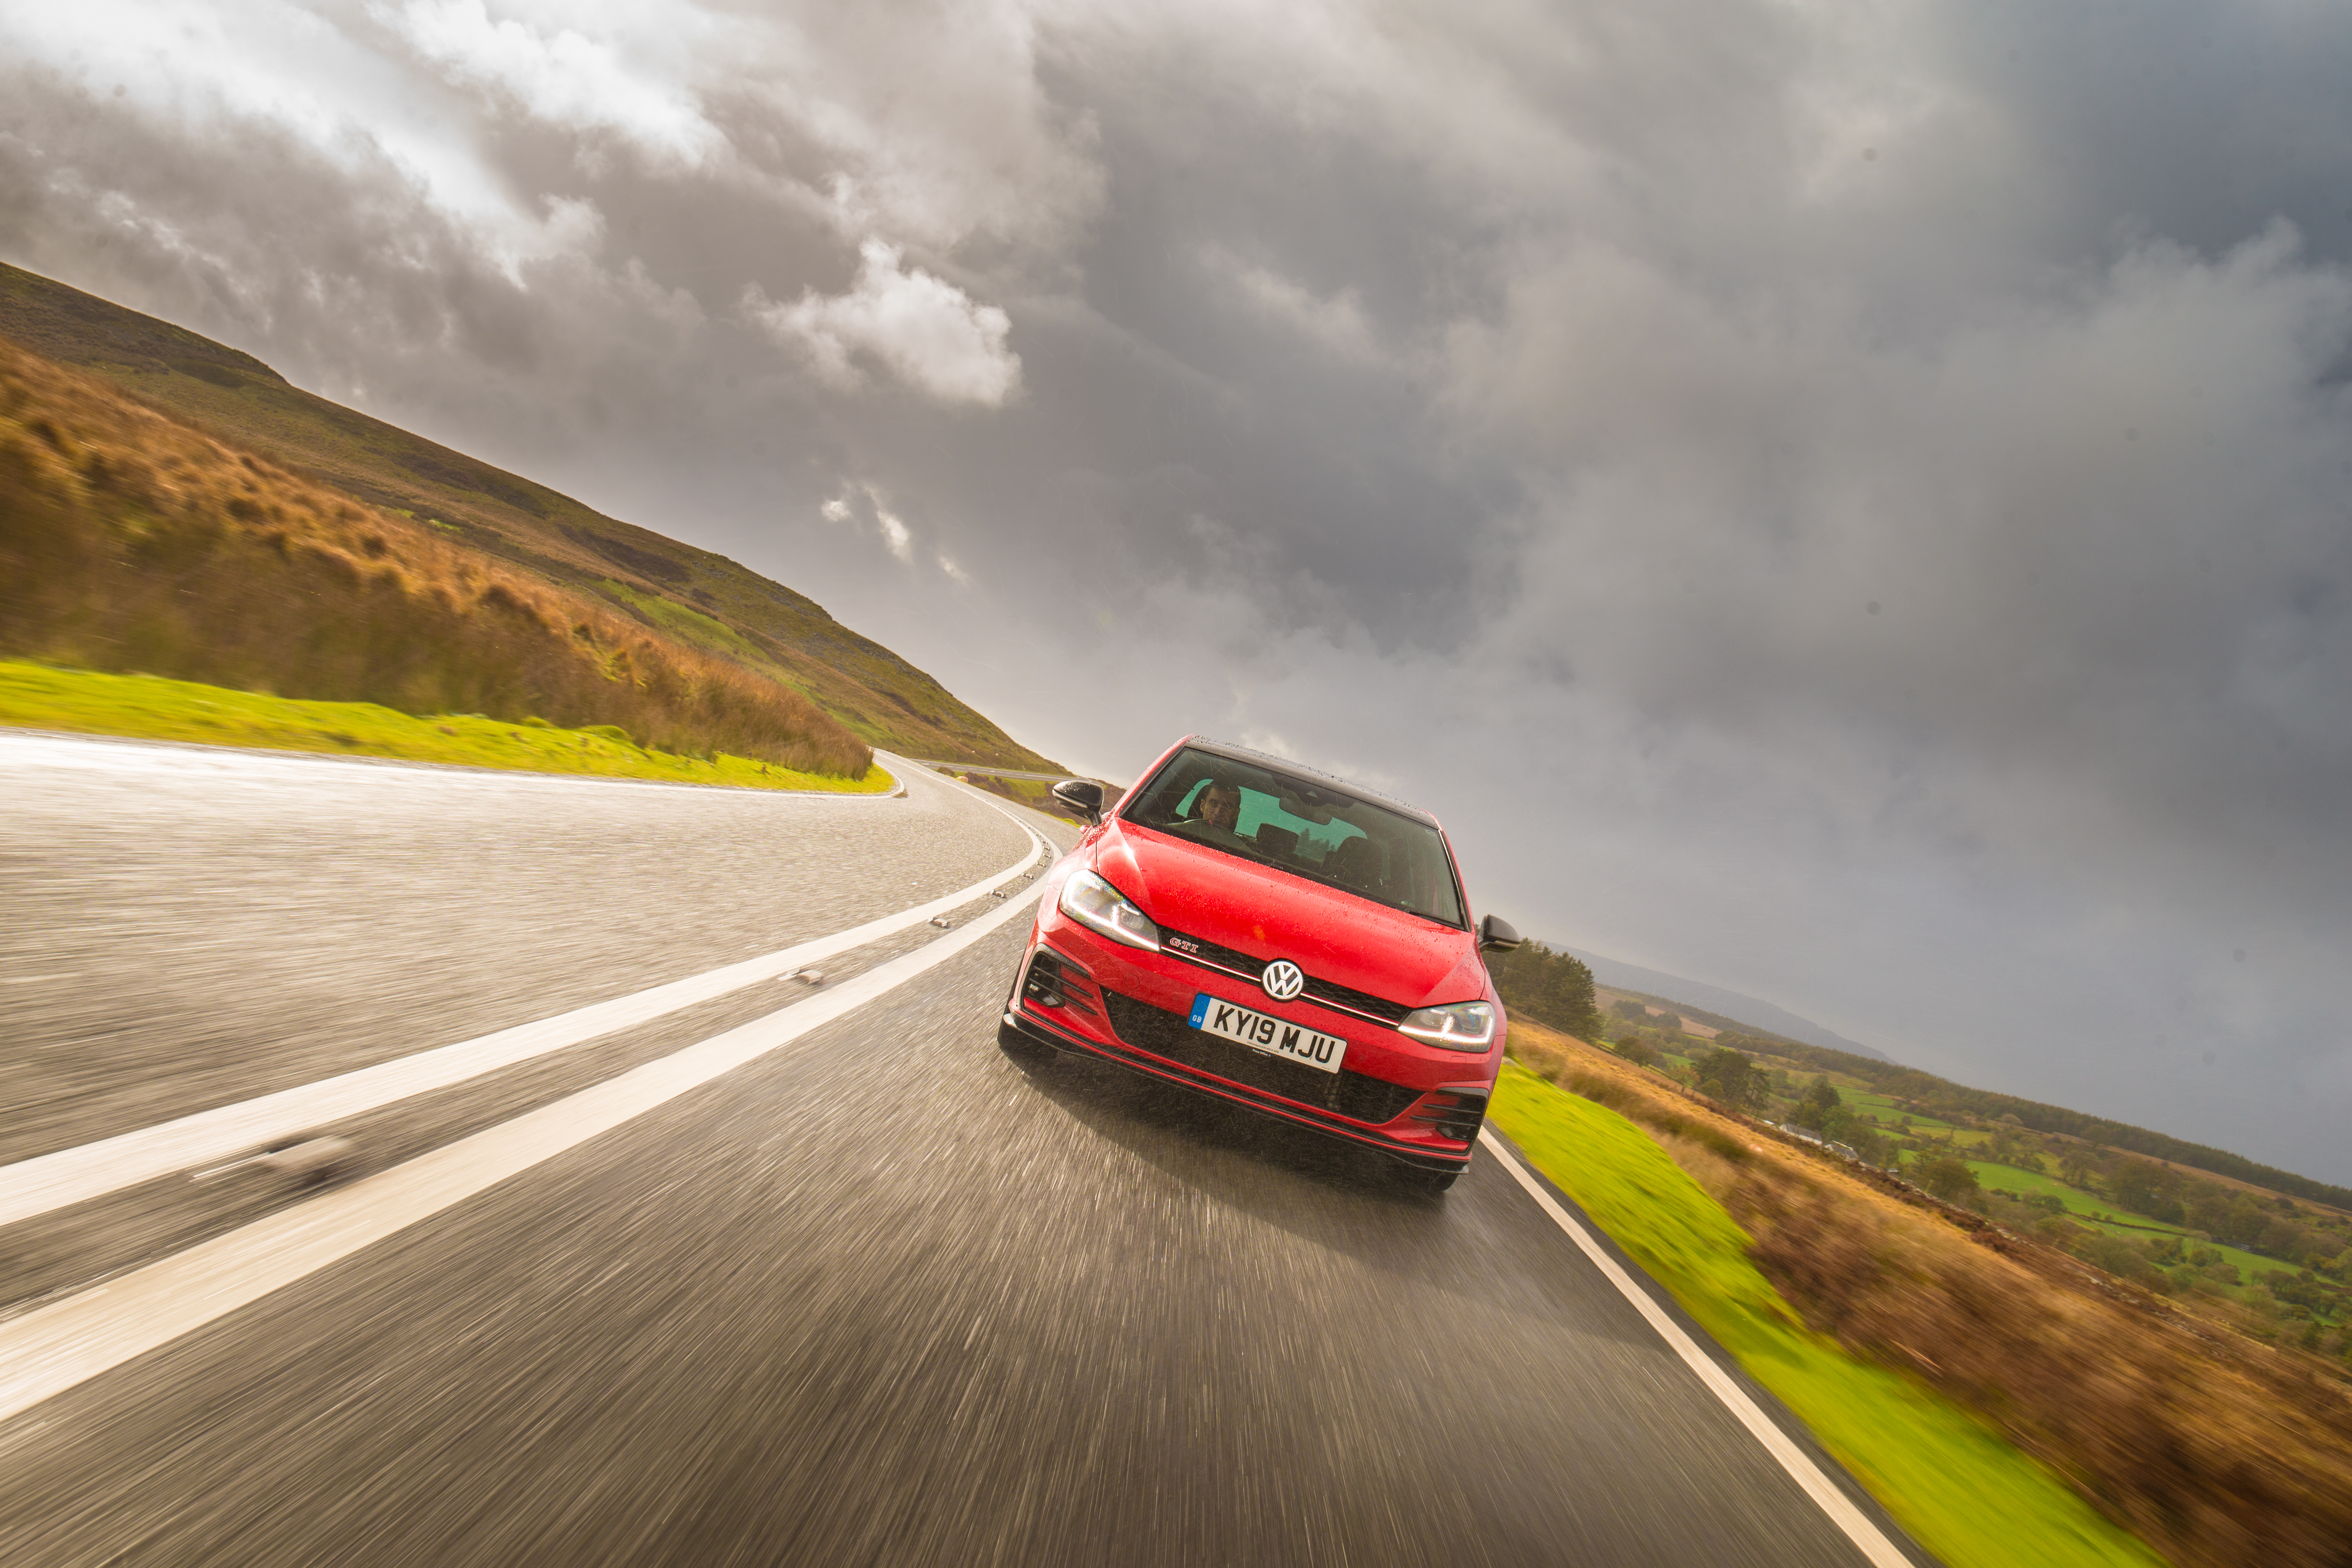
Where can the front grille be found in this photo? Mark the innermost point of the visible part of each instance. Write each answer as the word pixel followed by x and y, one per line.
pixel 1234 961
pixel 1172 1034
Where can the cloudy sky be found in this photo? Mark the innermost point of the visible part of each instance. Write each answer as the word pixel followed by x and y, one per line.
pixel 1847 501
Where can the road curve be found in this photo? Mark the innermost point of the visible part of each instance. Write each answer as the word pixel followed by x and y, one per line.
pixel 877 1296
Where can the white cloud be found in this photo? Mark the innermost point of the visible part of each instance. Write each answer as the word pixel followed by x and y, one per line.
pixel 895 536
pixel 895 533
pixel 562 76
pixel 926 333
pixel 946 565
pixel 1335 321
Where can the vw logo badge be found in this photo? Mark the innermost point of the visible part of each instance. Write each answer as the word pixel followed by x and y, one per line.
pixel 1282 980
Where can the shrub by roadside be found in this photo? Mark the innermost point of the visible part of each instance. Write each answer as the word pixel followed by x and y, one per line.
pixel 2213 1449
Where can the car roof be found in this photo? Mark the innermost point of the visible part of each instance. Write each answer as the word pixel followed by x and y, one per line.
pixel 1284 765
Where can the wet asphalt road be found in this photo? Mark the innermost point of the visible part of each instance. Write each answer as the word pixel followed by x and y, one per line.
pixel 880 1297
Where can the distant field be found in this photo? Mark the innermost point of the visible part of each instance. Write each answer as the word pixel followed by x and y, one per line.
pixel 2082 1208
pixel 2085 1208
pixel 149 706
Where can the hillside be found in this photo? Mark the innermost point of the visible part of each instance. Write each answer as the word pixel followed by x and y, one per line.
pixel 687 595
pixel 1697 994
pixel 134 544
pixel 1925 1094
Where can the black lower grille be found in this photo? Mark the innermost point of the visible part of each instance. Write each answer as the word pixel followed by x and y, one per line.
pixel 1170 1035
pixel 1054 981
pixel 1455 1114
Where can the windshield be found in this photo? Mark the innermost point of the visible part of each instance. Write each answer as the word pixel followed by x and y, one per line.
pixel 1310 830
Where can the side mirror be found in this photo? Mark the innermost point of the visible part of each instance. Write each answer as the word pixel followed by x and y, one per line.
pixel 1496 935
pixel 1082 796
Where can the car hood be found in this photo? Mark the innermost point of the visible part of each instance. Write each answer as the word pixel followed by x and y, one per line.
pixel 1270 914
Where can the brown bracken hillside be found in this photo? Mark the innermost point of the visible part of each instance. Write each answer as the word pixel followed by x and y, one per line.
pixel 672 591
pixel 131 541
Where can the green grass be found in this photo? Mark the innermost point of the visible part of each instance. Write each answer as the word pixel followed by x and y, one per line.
pixel 1884 1108
pixel 1964 1492
pixel 39 697
pixel 2079 1204
pixel 705 631
pixel 2087 1208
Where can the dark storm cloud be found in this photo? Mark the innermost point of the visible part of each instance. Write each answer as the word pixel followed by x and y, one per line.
pixel 1851 506
pixel 2198 122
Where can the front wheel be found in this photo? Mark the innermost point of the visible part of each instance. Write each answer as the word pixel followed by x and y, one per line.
pixel 1424 1182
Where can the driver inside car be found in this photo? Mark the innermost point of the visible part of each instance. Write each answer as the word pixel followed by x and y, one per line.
pixel 1215 813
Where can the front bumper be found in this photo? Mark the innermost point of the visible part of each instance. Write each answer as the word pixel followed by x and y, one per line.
pixel 1096 1012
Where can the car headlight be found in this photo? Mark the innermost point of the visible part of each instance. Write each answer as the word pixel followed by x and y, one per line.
pixel 1091 901
pixel 1458 1026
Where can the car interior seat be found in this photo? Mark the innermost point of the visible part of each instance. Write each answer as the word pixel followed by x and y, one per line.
pixel 1354 863
pixel 1277 843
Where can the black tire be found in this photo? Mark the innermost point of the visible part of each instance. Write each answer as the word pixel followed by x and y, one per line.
pixel 1423 1182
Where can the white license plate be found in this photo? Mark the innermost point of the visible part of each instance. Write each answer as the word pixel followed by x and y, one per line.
pixel 1272 1036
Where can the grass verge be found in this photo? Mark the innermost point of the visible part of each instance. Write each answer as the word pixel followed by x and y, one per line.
pixel 1957 1487
pixel 149 706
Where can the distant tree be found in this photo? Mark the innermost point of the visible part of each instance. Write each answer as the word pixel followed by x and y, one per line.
pixel 1633 1010
pixel 1873 1149
pixel 1729 1076
pixel 2135 1184
pixel 1813 1107
pixel 1555 989
pixel 2117 1255
pixel 2244 1222
pixel 1635 1049
pixel 1948 1178
pixel 2285 1238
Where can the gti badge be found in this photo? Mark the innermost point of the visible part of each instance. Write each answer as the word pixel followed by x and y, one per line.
pixel 1282 980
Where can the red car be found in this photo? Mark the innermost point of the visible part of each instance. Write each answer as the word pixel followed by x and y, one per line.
pixel 1261 932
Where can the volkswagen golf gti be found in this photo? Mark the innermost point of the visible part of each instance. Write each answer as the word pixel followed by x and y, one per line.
pixel 1281 940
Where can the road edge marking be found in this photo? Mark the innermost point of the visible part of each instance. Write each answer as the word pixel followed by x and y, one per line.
pixel 47 1352
pixel 45 1183
pixel 1858 1527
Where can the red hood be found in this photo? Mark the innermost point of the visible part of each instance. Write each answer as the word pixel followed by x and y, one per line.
pixel 1270 914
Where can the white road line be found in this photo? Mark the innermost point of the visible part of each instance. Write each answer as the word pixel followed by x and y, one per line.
pixel 52 1180
pixel 55 750
pixel 1872 1541
pixel 45 1353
